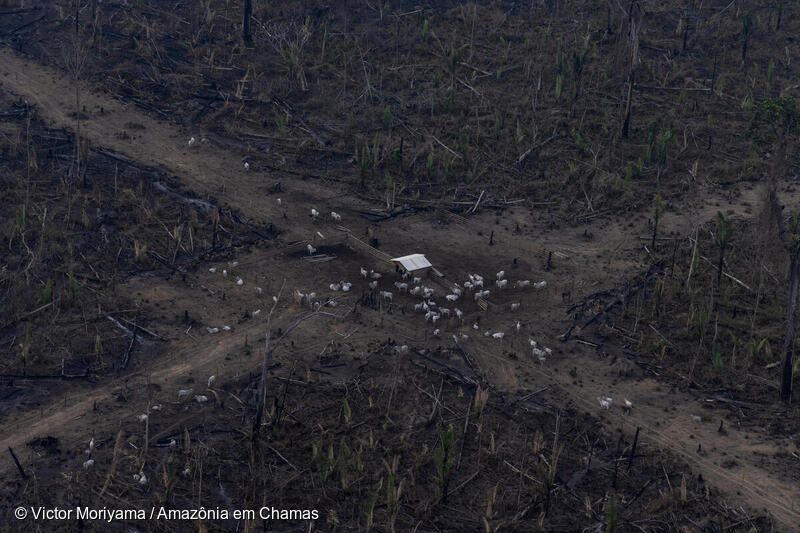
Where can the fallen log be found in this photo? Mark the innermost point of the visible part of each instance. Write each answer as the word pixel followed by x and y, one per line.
pixel 16 462
pixel 128 352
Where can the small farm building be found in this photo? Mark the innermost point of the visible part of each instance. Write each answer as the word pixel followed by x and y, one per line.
pixel 416 264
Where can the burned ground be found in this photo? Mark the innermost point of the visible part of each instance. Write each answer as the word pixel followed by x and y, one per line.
pixel 381 450
pixel 158 178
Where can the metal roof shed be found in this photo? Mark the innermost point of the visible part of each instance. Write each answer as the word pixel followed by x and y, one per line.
pixel 414 263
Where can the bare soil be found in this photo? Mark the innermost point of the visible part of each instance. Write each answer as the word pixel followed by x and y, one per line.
pixel 715 450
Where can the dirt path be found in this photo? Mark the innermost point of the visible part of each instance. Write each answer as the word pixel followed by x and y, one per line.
pixel 728 460
pixel 665 415
pixel 731 460
pixel 203 168
pixel 75 416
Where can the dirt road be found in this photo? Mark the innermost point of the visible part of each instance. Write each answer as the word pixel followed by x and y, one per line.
pixel 210 170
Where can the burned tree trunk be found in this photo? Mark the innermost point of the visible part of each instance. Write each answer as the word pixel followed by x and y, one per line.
pixel 788 339
pixel 720 266
pixel 247 35
pixel 772 212
pixel 685 32
pixel 747 24
pixel 657 211
pixel 634 24
pixel 723 239
pixel 713 82
pixel 626 123
pixel 215 219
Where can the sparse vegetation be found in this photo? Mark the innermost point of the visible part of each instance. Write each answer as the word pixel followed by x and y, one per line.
pixel 623 168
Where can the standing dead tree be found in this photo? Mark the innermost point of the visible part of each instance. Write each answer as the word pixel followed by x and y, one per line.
pixel 75 62
pixel 269 355
pixel 289 41
pixel 634 24
pixel 247 33
pixel 658 210
pixel 722 240
pixel 773 123
pixel 747 27
pixel 791 312
pixel 265 365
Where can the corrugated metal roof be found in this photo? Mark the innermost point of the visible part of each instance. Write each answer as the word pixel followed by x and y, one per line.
pixel 413 262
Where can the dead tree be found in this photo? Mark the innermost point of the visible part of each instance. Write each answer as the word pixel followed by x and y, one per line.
pixel 266 364
pixel 75 60
pixel 16 462
pixel 635 16
pixel 747 26
pixel 774 122
pixel 722 239
pixel 658 210
pixel 685 31
pixel 791 314
pixel 247 35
